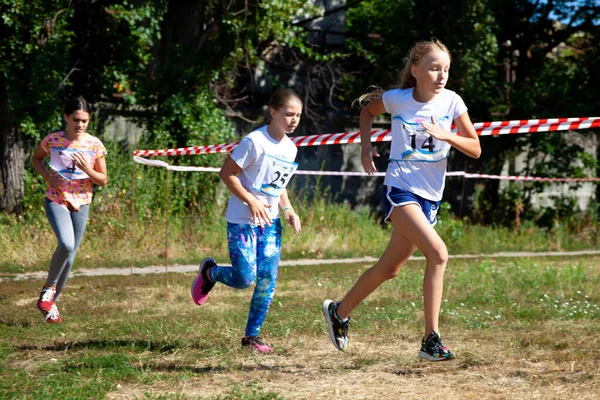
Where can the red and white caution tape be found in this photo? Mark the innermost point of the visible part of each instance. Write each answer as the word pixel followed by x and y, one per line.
pixel 483 129
pixel 158 163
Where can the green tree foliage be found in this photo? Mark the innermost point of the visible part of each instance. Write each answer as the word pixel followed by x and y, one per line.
pixel 158 61
pixel 381 34
pixel 203 49
pixel 184 70
pixel 551 49
pixel 33 65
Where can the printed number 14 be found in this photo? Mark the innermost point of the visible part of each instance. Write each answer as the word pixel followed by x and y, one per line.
pixel 72 168
pixel 427 144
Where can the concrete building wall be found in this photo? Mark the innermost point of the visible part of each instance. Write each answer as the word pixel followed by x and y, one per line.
pixel 584 193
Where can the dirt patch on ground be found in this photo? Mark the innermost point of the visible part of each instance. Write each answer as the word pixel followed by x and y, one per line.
pixel 374 371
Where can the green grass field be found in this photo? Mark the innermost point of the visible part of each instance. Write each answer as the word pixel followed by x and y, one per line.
pixel 328 231
pixel 521 329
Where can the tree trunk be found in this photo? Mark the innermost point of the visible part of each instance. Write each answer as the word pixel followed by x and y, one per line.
pixel 598 170
pixel 12 159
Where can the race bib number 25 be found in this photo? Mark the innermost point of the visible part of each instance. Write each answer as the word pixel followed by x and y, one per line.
pixel 274 175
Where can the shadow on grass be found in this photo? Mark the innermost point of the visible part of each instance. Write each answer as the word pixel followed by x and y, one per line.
pixel 18 323
pixel 172 367
pixel 184 368
pixel 146 345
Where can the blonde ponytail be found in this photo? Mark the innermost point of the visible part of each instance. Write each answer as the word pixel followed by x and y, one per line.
pixel 375 93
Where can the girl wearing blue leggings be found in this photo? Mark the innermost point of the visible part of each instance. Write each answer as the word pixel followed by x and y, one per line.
pixel 257 172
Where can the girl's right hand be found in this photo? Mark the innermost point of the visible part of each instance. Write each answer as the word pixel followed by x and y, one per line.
pixel 54 179
pixel 293 220
pixel 366 158
pixel 260 213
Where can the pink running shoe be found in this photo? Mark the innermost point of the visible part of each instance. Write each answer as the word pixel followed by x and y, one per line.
pixel 46 300
pixel 202 285
pixel 52 316
pixel 256 343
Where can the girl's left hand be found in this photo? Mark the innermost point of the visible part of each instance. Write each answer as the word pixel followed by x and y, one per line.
pixel 81 162
pixel 435 130
pixel 293 220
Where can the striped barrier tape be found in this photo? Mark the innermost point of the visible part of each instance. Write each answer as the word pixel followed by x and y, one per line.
pixel 482 128
pixel 158 163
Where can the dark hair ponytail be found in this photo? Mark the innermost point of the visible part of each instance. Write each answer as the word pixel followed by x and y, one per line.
pixel 281 98
pixel 75 104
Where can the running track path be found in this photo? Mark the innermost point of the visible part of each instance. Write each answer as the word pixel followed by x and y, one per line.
pixel 288 263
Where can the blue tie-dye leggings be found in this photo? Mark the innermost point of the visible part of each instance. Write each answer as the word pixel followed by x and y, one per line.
pixel 254 254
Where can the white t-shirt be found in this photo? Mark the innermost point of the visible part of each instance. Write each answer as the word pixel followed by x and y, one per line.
pixel 267 166
pixel 417 160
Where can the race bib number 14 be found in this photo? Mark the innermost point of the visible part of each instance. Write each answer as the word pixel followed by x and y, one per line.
pixel 61 160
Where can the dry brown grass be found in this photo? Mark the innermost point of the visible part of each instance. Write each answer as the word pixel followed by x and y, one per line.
pixel 512 359
pixel 491 371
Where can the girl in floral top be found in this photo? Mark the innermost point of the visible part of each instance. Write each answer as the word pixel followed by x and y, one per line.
pixel 76 163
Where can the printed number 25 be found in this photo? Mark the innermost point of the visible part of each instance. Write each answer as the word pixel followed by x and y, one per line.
pixel 279 177
pixel 427 144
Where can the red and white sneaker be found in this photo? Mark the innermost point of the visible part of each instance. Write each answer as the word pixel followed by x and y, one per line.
pixel 256 343
pixel 202 285
pixel 52 316
pixel 46 301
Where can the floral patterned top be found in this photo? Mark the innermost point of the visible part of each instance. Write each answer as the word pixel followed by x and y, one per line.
pixel 76 188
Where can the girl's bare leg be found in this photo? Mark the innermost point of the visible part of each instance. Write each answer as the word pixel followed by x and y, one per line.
pixel 411 231
pixel 395 255
pixel 421 234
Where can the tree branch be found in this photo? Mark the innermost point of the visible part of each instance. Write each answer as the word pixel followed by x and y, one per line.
pixel 64 81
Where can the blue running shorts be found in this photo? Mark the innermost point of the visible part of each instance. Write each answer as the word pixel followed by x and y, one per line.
pixel 394 197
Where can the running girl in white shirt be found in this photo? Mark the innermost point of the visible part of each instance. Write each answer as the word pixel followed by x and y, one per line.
pixel 423 112
pixel 256 173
